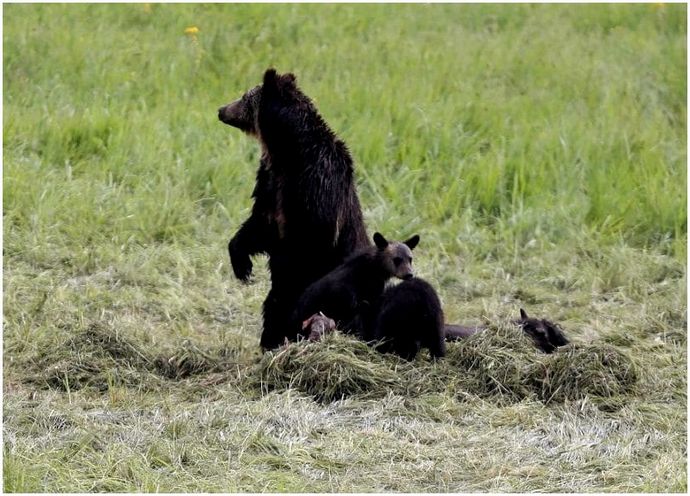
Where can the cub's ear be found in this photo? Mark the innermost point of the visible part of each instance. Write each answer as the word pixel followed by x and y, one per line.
pixel 270 77
pixel 380 241
pixel 412 242
pixel 523 314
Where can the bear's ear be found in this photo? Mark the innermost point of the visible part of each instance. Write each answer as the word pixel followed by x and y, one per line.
pixel 380 241
pixel 523 314
pixel 280 84
pixel 270 77
pixel 412 242
pixel 288 78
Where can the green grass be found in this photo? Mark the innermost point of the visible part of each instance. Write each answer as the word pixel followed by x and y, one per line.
pixel 539 150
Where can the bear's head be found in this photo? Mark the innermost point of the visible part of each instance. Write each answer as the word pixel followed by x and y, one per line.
pixel 546 335
pixel 244 113
pixel 396 257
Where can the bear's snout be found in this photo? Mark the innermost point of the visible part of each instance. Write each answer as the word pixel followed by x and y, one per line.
pixel 237 115
pixel 408 276
pixel 223 115
pixel 230 114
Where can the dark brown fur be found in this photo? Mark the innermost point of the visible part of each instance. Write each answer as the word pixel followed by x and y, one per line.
pixel 306 215
pixel 455 332
pixel 350 293
pixel 546 335
pixel 410 318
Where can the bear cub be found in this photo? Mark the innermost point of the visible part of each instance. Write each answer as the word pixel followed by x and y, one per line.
pixel 351 292
pixel 546 335
pixel 410 318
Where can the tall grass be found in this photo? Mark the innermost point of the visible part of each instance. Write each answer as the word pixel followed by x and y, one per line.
pixel 488 109
pixel 539 150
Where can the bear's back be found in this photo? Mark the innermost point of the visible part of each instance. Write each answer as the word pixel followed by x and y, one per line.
pixel 411 317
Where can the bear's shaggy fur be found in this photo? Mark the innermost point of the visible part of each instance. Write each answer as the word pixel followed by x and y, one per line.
pixel 306 215
pixel 410 318
pixel 350 293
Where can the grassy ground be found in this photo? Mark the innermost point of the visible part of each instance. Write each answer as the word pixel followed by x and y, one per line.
pixel 539 150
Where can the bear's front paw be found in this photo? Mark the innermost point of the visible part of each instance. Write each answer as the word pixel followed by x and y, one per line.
pixel 241 263
pixel 242 267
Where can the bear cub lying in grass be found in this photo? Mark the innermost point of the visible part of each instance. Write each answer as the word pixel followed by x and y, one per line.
pixel 546 335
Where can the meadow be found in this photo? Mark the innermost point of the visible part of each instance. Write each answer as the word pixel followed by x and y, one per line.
pixel 540 152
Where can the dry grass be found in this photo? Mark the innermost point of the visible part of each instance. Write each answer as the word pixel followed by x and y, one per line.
pixel 499 364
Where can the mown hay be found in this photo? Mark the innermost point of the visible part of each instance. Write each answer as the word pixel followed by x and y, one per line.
pixel 186 361
pixel 598 370
pixel 493 362
pixel 100 357
pixel 94 357
pixel 500 364
pixel 331 369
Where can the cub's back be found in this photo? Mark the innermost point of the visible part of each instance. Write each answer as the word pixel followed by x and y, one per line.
pixel 411 316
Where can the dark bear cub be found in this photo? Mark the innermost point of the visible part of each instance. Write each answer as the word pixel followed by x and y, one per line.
pixel 410 318
pixel 546 335
pixel 350 293
pixel 306 215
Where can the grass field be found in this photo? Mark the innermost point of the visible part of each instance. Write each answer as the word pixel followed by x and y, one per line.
pixel 539 151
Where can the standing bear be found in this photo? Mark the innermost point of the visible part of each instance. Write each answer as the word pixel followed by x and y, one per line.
pixel 306 215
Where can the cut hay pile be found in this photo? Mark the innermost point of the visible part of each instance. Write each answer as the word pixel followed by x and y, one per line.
pixel 597 370
pixel 493 363
pixel 93 357
pixel 500 364
pixel 100 357
pixel 331 369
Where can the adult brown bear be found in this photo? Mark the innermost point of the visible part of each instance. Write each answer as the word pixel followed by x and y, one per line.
pixel 306 215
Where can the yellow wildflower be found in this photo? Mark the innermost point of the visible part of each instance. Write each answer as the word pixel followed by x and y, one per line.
pixel 191 30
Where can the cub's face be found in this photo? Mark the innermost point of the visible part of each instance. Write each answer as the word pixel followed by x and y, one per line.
pixel 243 113
pixel 396 257
pixel 545 334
